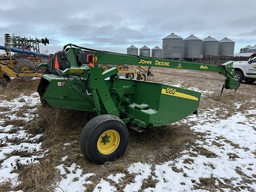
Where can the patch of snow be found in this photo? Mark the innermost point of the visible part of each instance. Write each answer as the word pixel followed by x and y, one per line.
pixel 230 142
pixel 233 159
pixel 104 186
pixel 73 178
pixel 142 171
pixel 116 178
pixel 14 141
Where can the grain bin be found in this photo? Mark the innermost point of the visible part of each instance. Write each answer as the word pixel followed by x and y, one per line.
pixel 226 47
pixel 192 47
pixel 157 52
pixel 145 51
pixel 210 46
pixel 172 46
pixel 132 50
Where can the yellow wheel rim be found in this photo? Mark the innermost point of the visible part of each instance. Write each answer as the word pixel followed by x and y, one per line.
pixel 104 67
pixel 108 142
pixel 25 69
pixel 120 67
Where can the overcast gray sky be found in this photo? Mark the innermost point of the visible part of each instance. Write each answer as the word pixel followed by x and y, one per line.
pixel 115 25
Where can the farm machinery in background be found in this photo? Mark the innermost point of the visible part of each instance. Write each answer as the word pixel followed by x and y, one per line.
pixel 139 72
pixel 74 79
pixel 22 55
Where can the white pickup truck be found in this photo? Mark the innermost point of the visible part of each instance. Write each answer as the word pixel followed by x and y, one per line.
pixel 245 70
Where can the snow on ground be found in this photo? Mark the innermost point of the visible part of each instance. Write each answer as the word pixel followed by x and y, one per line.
pixel 14 141
pixel 190 167
pixel 231 143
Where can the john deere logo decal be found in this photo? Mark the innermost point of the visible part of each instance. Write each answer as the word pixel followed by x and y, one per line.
pixel 179 66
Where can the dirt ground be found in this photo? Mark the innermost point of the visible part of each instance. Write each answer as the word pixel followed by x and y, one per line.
pixel 61 129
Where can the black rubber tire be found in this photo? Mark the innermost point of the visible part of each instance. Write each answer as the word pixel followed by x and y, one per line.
pixel 41 89
pixel 114 77
pixel 141 77
pixel 92 132
pixel 129 76
pixel 239 76
pixel 24 63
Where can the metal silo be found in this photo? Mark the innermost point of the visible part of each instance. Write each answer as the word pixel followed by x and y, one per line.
pixel 192 47
pixel 132 50
pixel 210 46
pixel 145 51
pixel 157 52
pixel 226 47
pixel 172 46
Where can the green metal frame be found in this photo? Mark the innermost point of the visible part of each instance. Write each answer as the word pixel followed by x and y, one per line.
pixel 85 86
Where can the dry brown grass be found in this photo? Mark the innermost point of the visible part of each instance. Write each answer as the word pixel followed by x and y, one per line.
pixel 5 186
pixel 159 144
pixel 18 86
pixel 61 134
pixel 62 128
pixel 38 177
